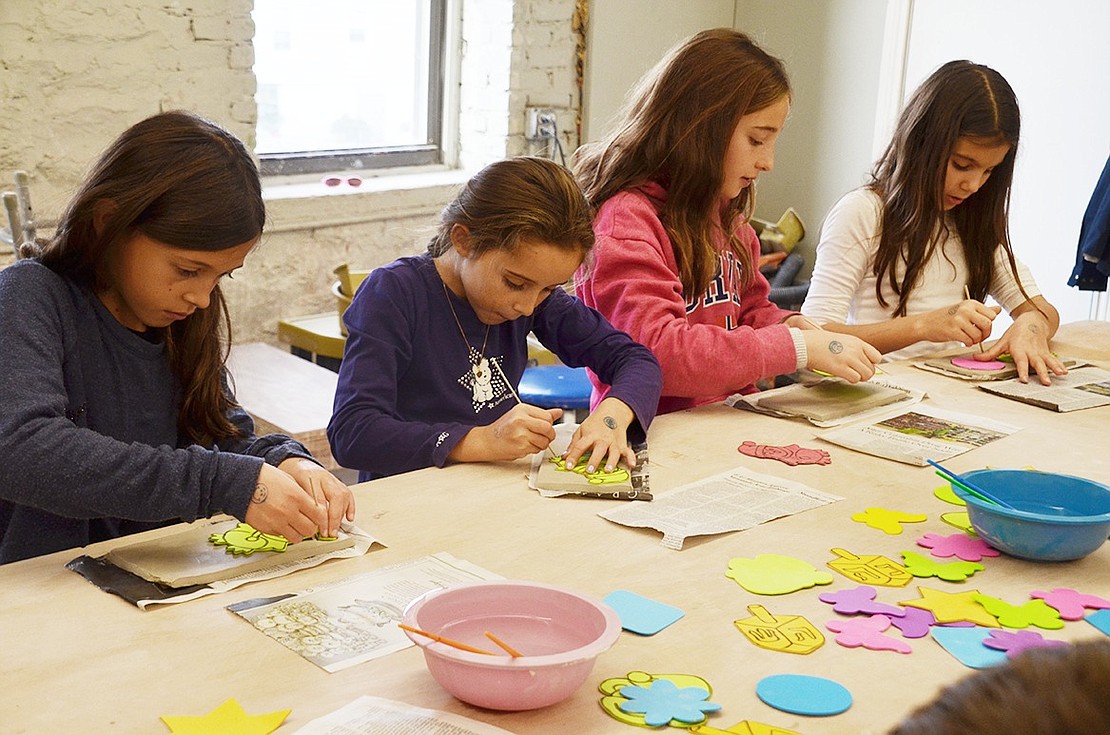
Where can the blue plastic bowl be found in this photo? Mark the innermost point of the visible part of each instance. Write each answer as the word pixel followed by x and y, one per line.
pixel 1055 517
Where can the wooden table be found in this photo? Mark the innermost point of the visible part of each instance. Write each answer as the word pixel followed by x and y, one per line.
pixel 84 661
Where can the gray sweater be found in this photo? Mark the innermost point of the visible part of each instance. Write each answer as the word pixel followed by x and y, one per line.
pixel 89 447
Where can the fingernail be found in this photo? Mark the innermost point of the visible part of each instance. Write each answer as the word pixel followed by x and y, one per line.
pixel 590 468
pixel 608 468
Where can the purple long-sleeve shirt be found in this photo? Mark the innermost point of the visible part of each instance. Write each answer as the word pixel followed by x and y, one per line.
pixel 89 444
pixel 406 391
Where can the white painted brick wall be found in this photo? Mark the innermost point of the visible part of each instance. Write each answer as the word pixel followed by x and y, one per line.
pixel 75 73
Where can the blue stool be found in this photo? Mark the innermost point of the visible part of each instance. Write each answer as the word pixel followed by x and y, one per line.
pixel 556 386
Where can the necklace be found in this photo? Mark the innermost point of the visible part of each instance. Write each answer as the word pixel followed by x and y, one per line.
pixel 482 378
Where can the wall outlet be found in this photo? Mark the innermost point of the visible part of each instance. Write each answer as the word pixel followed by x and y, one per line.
pixel 540 123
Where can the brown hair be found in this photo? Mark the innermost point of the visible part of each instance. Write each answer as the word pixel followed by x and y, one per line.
pixel 959 100
pixel 187 183
pixel 1043 690
pixel 675 130
pixel 522 198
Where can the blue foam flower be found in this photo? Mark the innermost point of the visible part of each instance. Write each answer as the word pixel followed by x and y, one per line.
pixel 661 701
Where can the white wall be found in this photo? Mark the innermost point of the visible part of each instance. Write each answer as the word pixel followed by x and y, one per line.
pixel 625 38
pixel 1059 66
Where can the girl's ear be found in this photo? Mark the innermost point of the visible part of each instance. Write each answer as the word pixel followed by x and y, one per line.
pixel 103 209
pixel 460 240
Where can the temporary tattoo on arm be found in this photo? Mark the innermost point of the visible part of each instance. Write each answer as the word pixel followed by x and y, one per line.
pixel 836 347
pixel 953 310
pixel 610 422
pixel 260 493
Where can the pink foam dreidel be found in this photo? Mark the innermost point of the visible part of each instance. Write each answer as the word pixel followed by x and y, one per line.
pixel 1014 644
pixel 1071 604
pixel 952 607
pixel 960 545
pixel 1035 612
pixel 866 632
pixel 887 521
pixel 790 454
pixel 859 600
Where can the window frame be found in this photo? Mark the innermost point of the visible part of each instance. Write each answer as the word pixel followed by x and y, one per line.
pixel 384 157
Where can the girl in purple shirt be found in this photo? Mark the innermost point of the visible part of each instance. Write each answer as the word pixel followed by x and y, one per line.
pixel 437 342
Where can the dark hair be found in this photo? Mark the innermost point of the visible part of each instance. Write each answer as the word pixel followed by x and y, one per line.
pixel 1043 690
pixel 188 183
pixel 675 130
pixel 959 100
pixel 522 198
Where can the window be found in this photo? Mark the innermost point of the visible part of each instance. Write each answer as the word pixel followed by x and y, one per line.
pixel 349 84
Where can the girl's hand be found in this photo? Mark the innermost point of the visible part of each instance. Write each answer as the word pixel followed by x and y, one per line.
pixel 968 322
pixel 604 434
pixel 843 355
pixel 325 488
pixel 524 430
pixel 1027 342
pixel 280 506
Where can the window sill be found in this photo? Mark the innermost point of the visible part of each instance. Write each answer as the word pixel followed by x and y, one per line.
pixel 304 202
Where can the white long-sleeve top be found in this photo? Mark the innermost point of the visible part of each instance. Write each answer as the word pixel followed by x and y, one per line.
pixel 842 289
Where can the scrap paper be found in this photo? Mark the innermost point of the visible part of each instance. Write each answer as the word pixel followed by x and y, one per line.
pixel 728 501
pixel 376 716
pixel 1087 387
pixel 829 401
pixel 142 593
pixel 355 619
pixel 924 431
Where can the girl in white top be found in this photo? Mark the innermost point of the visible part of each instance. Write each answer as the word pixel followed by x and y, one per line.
pixel 907 261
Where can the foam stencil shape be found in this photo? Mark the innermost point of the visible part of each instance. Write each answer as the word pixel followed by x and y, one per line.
pixel 859 600
pixel 612 698
pixel 227 719
pixel 661 701
pixel 1014 644
pixel 640 614
pixel 790 454
pixel 953 571
pixel 244 540
pixel 915 623
pixel 1034 612
pixel 1100 620
pixel 744 727
pixel 866 632
pixel 871 569
pixel 951 607
pixel 804 695
pixel 786 633
pixel 1071 604
pixel 960 520
pixel 959 545
pixel 966 646
pixel 773 574
pixel 887 521
pixel 948 495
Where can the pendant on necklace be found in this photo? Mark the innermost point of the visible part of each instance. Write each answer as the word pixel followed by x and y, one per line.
pixel 483 381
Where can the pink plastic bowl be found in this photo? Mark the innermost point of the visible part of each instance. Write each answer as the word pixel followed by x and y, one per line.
pixel 560 634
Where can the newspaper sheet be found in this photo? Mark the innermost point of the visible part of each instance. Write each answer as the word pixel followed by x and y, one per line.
pixel 925 432
pixel 377 716
pixel 1087 387
pixel 729 501
pixel 355 619
pixel 756 402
